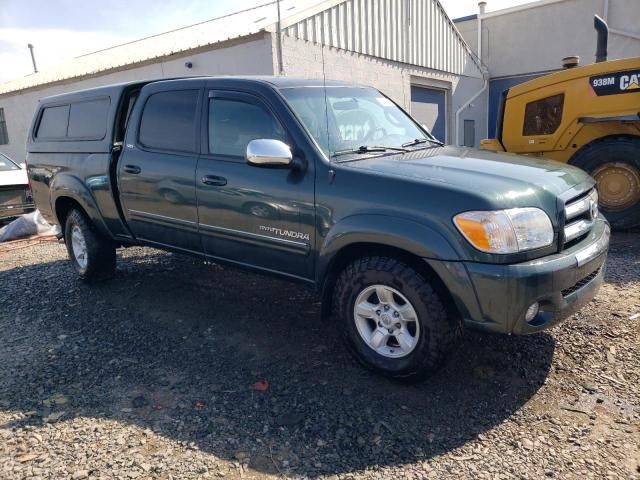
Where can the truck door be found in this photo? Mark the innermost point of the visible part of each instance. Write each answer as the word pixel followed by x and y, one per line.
pixel 156 171
pixel 256 216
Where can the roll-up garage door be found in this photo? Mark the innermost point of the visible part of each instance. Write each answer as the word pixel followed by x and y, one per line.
pixel 428 106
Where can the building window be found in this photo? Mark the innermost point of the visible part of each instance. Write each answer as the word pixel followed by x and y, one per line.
pixel 543 117
pixel 4 136
pixel 469 133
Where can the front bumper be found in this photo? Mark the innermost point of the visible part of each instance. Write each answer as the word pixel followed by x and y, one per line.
pixel 496 297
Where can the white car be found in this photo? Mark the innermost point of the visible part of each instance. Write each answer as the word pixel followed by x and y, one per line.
pixel 15 192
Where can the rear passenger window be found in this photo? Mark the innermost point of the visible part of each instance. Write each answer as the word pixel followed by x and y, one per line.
pixel 53 123
pixel 88 119
pixel 233 124
pixel 169 121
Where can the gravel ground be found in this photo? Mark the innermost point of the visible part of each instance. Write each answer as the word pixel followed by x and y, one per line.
pixel 150 375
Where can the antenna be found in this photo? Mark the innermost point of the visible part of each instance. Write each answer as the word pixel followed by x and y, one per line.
pixel 326 101
pixel 33 58
pixel 279 42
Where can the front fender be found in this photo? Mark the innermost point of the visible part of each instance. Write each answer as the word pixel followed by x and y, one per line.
pixel 69 186
pixel 416 238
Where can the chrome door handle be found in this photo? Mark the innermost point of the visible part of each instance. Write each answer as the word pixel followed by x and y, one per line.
pixel 214 180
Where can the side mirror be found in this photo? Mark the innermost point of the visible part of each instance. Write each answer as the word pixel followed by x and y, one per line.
pixel 23 166
pixel 268 152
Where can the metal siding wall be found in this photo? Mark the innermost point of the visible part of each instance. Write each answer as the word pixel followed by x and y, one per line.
pixel 416 32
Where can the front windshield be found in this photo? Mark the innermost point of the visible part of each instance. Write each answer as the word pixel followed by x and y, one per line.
pixel 6 164
pixel 356 117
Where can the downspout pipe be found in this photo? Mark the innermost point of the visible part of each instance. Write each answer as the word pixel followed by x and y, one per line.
pixel 467 104
pixel 481 9
pixel 485 75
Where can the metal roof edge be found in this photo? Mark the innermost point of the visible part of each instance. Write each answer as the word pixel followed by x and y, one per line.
pixel 304 14
pixel 466 18
pixel 129 66
pixel 520 8
pixel 482 68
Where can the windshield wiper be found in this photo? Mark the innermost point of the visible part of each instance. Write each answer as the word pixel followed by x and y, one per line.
pixel 419 141
pixel 368 149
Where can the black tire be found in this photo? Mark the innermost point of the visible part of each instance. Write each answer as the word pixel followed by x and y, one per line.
pixel 440 330
pixel 100 252
pixel 623 150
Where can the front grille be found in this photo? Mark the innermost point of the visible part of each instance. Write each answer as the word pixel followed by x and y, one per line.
pixel 568 291
pixel 580 214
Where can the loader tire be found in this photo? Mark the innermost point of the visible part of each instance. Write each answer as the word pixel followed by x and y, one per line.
pixel 614 162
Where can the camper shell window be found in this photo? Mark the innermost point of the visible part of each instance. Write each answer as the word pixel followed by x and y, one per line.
pixel 83 120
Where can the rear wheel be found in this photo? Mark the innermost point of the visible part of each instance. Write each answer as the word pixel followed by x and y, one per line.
pixel 614 162
pixel 393 320
pixel 92 256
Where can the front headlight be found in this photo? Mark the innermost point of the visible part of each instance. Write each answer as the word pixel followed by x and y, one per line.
pixel 506 231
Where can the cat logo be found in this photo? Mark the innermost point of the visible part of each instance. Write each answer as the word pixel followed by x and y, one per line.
pixel 616 83
pixel 629 82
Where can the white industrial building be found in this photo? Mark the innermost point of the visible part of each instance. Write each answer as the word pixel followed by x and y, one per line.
pixel 524 42
pixel 409 49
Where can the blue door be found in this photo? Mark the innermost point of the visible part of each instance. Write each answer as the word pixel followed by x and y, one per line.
pixel 428 107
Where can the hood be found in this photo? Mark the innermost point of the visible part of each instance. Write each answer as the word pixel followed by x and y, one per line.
pixel 14 177
pixel 497 175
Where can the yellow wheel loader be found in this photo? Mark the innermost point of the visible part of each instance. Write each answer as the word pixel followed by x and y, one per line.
pixel 588 116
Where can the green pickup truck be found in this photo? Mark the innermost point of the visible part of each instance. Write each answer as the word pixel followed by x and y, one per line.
pixel 329 184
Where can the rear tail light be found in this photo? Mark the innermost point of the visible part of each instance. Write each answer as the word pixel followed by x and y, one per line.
pixel 28 194
pixel 29 190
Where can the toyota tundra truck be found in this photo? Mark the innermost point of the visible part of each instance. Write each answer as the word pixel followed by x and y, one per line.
pixel 408 241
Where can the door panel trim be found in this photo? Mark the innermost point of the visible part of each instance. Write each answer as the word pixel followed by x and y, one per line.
pixel 165 246
pixel 256 238
pixel 162 219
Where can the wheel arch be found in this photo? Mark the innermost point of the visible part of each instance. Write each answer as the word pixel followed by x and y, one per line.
pixel 68 192
pixel 350 252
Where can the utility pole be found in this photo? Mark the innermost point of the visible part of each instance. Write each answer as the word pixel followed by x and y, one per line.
pixel 279 42
pixel 33 58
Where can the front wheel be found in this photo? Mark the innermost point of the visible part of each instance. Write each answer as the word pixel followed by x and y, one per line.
pixel 92 256
pixel 394 321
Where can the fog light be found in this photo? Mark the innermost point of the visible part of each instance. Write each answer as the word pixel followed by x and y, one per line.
pixel 532 311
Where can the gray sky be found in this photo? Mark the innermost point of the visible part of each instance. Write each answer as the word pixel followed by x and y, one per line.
pixel 63 29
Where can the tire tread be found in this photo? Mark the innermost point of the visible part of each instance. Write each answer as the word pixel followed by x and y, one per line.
pixel 101 252
pixel 444 332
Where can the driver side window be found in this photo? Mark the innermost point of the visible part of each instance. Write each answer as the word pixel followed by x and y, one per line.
pixel 234 123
